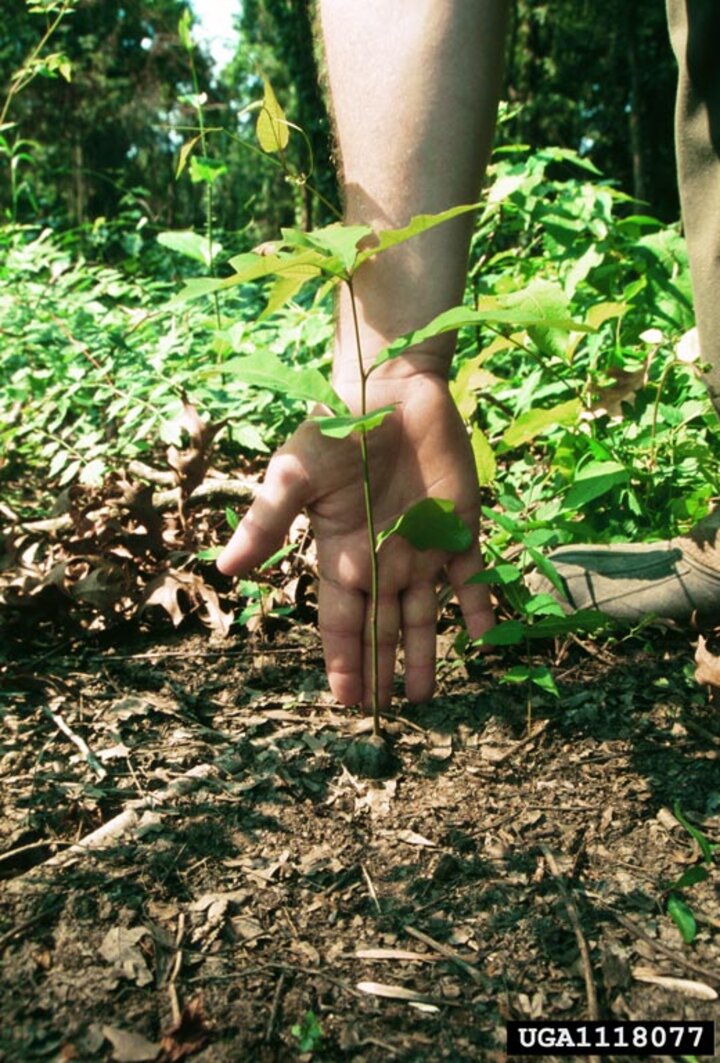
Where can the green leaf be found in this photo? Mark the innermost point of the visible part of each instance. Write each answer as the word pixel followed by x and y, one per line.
pixel 251 266
pixel 704 845
pixel 503 574
pixel 593 480
pixel 264 369
pixel 508 633
pixel 286 287
pixel 533 423
pixel 272 129
pixel 419 224
pixel 691 877
pixel 540 676
pixel 278 556
pixel 196 287
pixel 185 152
pixel 204 170
pixel 342 427
pixel 543 605
pixel 548 569
pixel 184 27
pixel 683 918
pixel 519 673
pixel 552 627
pixel 485 463
pixel 542 304
pixel 598 314
pixel 232 518
pixel 337 241
pixel 431 525
pixel 211 554
pixel 191 244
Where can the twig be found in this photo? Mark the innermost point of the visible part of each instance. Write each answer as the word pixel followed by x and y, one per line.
pixel 570 907
pixel 447 952
pixel 153 476
pixel 371 888
pixel 275 1007
pixel 123 822
pixel 526 741
pixel 658 946
pixel 175 970
pixel 701 731
pixel 77 741
pixel 162 500
pixel 42 844
pixel 21 927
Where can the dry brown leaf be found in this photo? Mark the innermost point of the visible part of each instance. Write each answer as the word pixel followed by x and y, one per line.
pixel 186 1036
pixel 165 591
pixel 626 386
pixel 708 665
pixel 191 464
pixel 102 586
pixel 120 948
pixel 129 1047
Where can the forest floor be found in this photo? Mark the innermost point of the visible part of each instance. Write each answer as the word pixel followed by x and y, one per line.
pixel 188 867
pixel 258 883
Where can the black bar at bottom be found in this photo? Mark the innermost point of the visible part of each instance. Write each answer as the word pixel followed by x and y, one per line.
pixel 602 1038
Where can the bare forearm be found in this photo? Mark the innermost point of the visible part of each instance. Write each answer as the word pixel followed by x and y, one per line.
pixel 414 86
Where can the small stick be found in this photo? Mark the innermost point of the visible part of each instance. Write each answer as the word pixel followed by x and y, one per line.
pixel 445 951
pixel 658 946
pixel 175 970
pixel 371 888
pixel 49 842
pixel 570 907
pixel 77 741
pixel 277 997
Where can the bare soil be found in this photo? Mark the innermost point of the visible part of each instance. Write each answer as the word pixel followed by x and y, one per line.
pixel 258 901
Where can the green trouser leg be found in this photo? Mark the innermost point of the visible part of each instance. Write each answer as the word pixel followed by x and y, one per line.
pixel 695 35
pixel 677 578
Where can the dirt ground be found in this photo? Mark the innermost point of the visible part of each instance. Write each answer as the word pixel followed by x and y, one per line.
pixel 253 899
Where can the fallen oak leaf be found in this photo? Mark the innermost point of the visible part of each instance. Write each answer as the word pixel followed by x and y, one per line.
pixel 165 590
pixel 129 1047
pixel 708 665
pixel 186 1036
pixel 191 464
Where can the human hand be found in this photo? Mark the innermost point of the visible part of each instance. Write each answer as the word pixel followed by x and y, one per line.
pixel 420 451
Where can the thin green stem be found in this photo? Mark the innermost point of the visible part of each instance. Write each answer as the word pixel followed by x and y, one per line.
pixel 209 200
pixel 656 410
pixel 25 74
pixel 370 522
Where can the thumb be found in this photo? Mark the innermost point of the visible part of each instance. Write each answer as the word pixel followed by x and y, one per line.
pixel 262 530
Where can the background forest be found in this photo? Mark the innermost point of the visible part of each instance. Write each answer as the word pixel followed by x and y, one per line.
pixel 103 130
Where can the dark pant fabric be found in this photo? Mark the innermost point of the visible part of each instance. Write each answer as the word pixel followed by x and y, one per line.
pixel 695 36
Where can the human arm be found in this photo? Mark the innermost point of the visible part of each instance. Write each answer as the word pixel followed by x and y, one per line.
pixel 414 87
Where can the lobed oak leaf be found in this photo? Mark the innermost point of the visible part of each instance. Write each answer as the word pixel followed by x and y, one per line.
pixel 166 591
pixel 708 665
pixel 191 464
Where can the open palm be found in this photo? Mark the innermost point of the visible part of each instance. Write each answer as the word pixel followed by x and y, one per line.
pixel 420 451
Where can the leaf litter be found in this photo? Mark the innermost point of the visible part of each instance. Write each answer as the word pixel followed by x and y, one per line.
pixel 225 874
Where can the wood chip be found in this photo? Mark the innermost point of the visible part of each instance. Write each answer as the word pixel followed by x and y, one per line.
pixel 398 992
pixel 688 988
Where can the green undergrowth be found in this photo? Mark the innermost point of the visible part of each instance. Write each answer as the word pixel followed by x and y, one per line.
pixel 594 433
